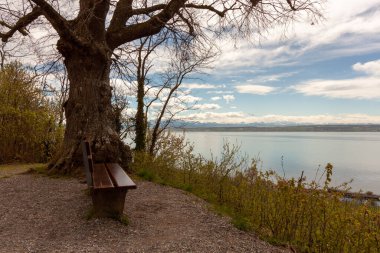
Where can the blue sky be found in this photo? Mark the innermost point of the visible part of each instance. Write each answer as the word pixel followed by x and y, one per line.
pixel 324 73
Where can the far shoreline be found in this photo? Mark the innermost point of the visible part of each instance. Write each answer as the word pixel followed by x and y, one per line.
pixel 298 128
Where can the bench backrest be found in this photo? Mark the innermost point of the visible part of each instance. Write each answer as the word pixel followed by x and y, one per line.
pixel 88 162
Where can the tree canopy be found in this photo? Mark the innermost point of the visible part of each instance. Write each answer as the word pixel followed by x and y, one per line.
pixel 84 24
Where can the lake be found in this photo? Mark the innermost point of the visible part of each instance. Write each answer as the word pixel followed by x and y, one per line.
pixel 354 155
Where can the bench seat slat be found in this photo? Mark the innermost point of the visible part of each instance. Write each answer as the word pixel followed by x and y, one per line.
pixel 120 178
pixel 100 177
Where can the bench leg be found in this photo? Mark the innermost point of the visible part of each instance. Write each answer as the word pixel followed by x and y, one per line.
pixel 108 202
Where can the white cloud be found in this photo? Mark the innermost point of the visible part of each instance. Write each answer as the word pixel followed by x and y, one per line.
pixel 235 60
pixel 358 88
pixel 189 99
pixel 215 98
pixel 156 105
pixel 240 117
pixel 255 89
pixel 348 25
pixel 271 78
pixel 213 117
pixel 130 112
pixel 228 98
pixel 367 87
pixel 206 106
pixel 178 104
pixel 123 86
pixel 220 92
pixel 192 86
pixel 372 67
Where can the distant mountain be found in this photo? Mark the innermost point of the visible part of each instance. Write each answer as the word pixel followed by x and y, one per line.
pixel 187 124
pixel 263 127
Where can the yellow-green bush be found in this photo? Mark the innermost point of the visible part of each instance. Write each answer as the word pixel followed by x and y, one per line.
pixel 306 216
pixel 28 131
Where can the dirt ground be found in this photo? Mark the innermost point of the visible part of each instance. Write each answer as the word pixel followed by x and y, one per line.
pixel 42 214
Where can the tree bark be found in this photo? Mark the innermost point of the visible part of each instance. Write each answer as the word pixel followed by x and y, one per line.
pixel 89 113
pixel 140 128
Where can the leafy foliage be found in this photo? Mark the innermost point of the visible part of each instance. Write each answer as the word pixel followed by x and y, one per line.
pixel 28 131
pixel 306 216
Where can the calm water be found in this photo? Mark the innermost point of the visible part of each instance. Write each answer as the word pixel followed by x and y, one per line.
pixel 353 155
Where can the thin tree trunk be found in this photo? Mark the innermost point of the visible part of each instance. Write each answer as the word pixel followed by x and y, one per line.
pixel 140 128
pixel 155 133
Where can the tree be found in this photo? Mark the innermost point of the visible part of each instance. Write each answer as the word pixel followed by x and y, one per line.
pixel 184 63
pixel 142 66
pixel 160 85
pixel 90 35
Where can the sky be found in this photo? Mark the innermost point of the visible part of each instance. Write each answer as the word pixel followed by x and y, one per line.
pixel 325 72
pixel 322 73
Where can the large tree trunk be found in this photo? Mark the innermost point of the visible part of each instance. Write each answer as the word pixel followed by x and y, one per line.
pixel 88 110
pixel 89 114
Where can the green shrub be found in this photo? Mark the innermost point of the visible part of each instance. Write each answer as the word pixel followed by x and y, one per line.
pixel 242 223
pixel 306 215
pixel 147 175
pixel 28 131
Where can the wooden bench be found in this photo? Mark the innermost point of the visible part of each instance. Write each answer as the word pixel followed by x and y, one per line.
pixel 108 184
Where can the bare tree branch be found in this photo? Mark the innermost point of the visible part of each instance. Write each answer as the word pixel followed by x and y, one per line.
pixel 144 29
pixel 58 22
pixel 209 8
pixel 122 13
pixel 151 9
pixel 20 24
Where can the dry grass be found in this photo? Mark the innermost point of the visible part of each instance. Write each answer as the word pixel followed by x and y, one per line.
pixel 8 170
pixel 284 211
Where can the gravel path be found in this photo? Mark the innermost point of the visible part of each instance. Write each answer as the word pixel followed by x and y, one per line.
pixel 41 214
